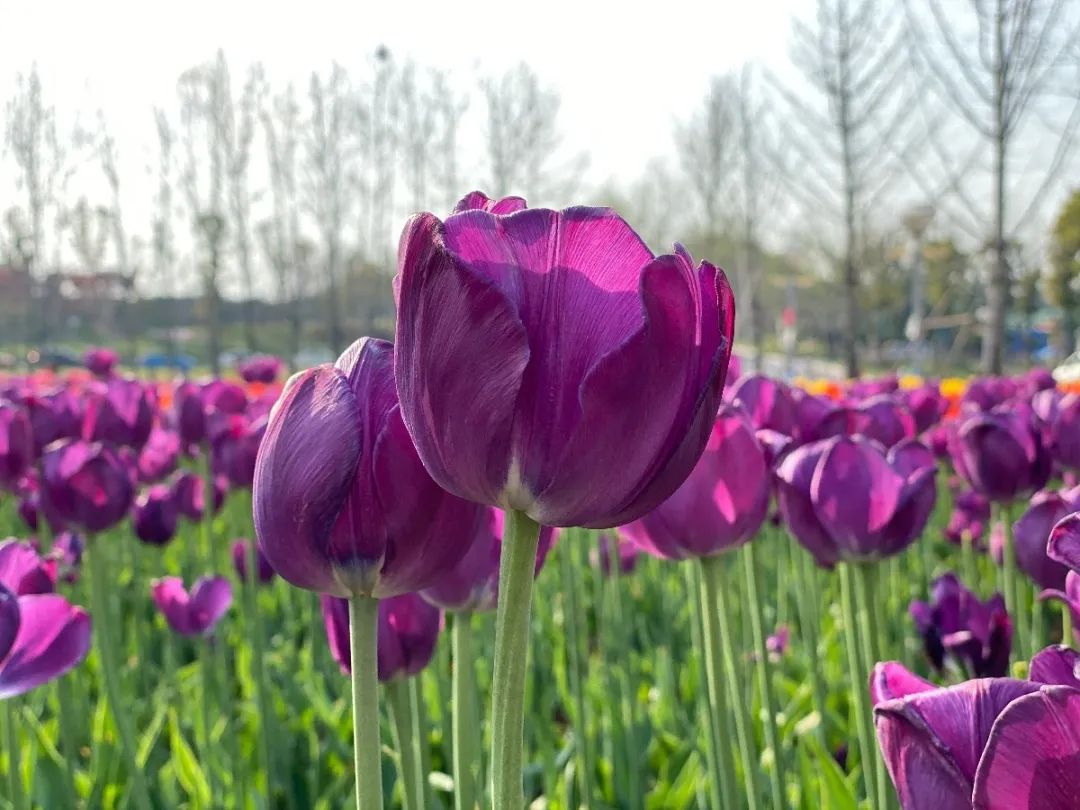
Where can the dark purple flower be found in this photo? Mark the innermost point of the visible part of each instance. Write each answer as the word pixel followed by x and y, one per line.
pixel 155 516
pixel 42 636
pixel 407 632
pixel 891 679
pixel 189 412
pixel 194 614
pixel 67 550
pixel 235 449
pixel 16 444
pixel 872 387
pixel 100 361
pixel 472 582
pixel 242 550
pixel 262 368
pixel 927 405
pixel 1000 454
pixel 342 502
pixel 846 499
pixel 23 571
pixel 523 369
pixel 1032 531
pixel 224 397
pixel 814 417
pixel 625 552
pixel 885 419
pixel 777 643
pixel 1062 430
pixel 978 635
pixel 720 506
pixel 159 456
pixel 1057 665
pixel 85 485
pixel 119 412
pixel 970 515
pixel 187 491
pixel 987 393
pixel 768 403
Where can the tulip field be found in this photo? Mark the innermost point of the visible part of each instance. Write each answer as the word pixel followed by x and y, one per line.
pixel 552 548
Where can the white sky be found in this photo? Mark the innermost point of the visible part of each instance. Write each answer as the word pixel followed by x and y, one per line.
pixel 625 70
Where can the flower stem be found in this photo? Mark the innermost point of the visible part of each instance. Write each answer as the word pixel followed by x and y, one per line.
pixel 511 654
pixel 367 750
pixel 18 799
pixel 717 632
pixel 1067 626
pixel 809 597
pixel 463 705
pixel 401 710
pixel 967 561
pixel 1009 574
pixel 865 576
pixel 571 617
pixel 107 651
pixel 764 677
pixel 858 682
pixel 251 599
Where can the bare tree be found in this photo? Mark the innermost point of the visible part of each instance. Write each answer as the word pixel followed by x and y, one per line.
pixel 161 225
pixel 995 64
pixel 377 141
pixel 419 130
pixel 450 107
pixel 849 142
pixel 330 167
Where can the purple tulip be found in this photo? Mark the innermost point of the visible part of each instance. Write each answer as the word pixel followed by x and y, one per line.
pixel 155 516
pixel 100 361
pixel 891 680
pixel 978 635
pixel 927 406
pixel 624 552
pixel 1062 429
pixel 22 571
pixel 85 485
pixel 242 549
pixel 194 614
pixel 1069 596
pixel 472 582
pixel 720 506
pixel 987 393
pixel 1056 665
pixel 531 344
pixel 846 499
pixel 777 643
pixel 408 630
pixel 223 397
pixel 158 458
pixel 67 550
pixel 42 636
pixel 119 412
pixel 262 368
pixel 189 412
pixel 16 444
pixel 768 403
pixel 871 387
pixel 814 416
pixel 342 502
pixel 188 492
pixel 235 449
pixel 1032 531
pixel 1000 455
pixel 885 419
pixel 970 515
pixel 1063 544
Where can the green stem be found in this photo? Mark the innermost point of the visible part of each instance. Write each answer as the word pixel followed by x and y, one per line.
pixel 809 597
pixel 421 739
pixel 721 768
pixel 463 706
pixel 265 718
pixel 1009 579
pixel 751 573
pixel 69 744
pixel 401 711
pixel 865 576
pixel 717 631
pixel 858 682
pixel 635 792
pixel 522 535
pixel 1067 627
pixel 18 797
pixel 571 616
pixel 367 750
pixel 967 561
pixel 106 651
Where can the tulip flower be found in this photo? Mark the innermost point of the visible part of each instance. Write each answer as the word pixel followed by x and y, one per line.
pixel 120 412
pixel 610 552
pixel 262 368
pixel 987 393
pixel 189 413
pixel 42 636
pixel 1063 430
pixel 890 680
pixel 563 353
pixel 777 642
pixel 86 485
pixel 67 550
pixel 342 503
pixel 988 743
pixel 1056 665
pixel 16 444
pixel 188 492
pixel 408 629
pixel 970 516
pixel 927 406
pixel 100 361
pixel 1000 455
pixel 53 416
pixel 242 549
pixel 846 499
pixel 885 419
pixel 720 506
pixel 1069 596
pixel 768 403
pixel 235 448
pixel 155 516
pixel 223 397
pixel 157 460
pixel 978 635
pixel 196 613
pixel 1032 531
pixel 22 571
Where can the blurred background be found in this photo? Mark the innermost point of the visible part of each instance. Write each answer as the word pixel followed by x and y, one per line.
pixel 890 185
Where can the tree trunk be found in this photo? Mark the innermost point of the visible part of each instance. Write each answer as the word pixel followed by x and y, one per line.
pixel 333 318
pixel 997 293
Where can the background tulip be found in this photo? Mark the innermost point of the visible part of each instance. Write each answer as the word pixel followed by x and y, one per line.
pixel 262 368
pixel 16 444
pixel 23 571
pixel 1032 531
pixel 242 549
pixel 42 636
pixel 1000 455
pixel 86 485
pixel 195 613
pixel 100 361
pixel 120 412
pixel 155 516
pixel 408 629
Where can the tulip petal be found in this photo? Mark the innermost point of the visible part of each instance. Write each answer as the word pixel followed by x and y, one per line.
pixel 1064 542
pixel 477 200
pixel 171 598
pixel 461 351
pixel 1032 758
pixel 53 636
pixel 891 680
pixel 303 475
pixel 335 612
pixel 794 478
pixel 210 598
pixel 9 620
pixel 1057 665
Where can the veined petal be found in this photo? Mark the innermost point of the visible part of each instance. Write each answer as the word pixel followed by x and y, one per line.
pixel 1058 665
pixel 891 680
pixel 1064 541
pixel 794 479
pixel 53 636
